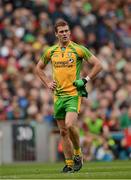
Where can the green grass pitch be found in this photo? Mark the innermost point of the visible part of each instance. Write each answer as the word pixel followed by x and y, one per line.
pixel 90 170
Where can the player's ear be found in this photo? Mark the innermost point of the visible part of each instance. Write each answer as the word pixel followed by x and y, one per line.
pixel 56 34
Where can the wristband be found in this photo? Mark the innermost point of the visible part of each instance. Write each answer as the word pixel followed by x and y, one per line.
pixel 87 78
pixel 84 80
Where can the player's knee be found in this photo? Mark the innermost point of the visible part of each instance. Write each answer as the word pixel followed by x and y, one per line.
pixel 69 124
pixel 63 132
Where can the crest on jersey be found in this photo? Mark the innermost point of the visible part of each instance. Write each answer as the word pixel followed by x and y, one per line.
pixel 69 54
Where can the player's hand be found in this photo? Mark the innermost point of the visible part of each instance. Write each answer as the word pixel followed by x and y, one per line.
pixel 52 85
pixel 80 83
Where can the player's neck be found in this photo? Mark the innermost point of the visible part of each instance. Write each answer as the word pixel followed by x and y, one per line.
pixel 64 44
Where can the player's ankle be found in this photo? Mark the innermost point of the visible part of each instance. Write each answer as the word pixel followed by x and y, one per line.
pixel 77 152
pixel 69 162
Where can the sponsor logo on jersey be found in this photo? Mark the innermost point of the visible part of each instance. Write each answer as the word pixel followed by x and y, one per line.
pixel 59 64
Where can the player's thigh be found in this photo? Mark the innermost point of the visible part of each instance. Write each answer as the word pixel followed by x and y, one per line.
pixel 71 119
pixel 61 123
pixel 72 104
pixel 72 110
pixel 59 112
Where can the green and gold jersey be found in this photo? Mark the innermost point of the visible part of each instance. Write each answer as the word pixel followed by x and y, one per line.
pixel 66 65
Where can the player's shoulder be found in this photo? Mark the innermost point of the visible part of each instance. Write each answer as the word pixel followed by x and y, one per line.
pixel 51 48
pixel 77 46
pixel 81 50
pixel 74 44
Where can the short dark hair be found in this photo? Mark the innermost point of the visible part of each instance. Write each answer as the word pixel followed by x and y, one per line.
pixel 60 22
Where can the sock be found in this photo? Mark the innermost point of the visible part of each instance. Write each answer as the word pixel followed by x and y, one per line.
pixel 69 162
pixel 77 152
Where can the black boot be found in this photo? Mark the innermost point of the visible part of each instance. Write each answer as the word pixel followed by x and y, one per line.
pixel 67 169
pixel 78 162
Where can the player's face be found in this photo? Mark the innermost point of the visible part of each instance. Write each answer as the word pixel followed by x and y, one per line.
pixel 63 34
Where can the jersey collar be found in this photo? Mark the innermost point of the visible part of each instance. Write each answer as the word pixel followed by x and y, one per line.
pixel 65 46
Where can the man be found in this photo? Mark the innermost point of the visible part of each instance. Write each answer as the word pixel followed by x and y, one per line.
pixel 66 58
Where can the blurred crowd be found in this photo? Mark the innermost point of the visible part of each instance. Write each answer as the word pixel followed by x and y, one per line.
pixel 103 26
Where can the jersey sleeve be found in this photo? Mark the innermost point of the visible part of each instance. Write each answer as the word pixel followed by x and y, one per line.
pixel 85 53
pixel 45 57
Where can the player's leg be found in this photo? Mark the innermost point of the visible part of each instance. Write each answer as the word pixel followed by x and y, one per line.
pixel 59 114
pixel 74 131
pixel 67 146
pixel 72 110
pixel 71 123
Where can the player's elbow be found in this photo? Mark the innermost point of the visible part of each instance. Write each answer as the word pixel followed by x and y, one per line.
pixel 99 66
pixel 39 68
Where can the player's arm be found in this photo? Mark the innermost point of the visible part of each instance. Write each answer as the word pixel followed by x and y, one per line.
pixel 40 73
pixel 96 67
